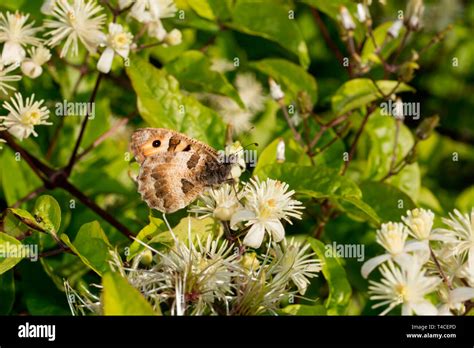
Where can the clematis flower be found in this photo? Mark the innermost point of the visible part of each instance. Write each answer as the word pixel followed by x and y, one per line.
pixel 79 21
pixel 117 42
pixel 16 33
pixel 24 116
pixel 406 286
pixel 267 203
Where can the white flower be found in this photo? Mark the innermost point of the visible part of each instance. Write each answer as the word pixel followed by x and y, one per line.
pixel 234 154
pixel 295 262
pixel 221 65
pixel 275 90
pixel 419 222
pixel 117 42
pixel 147 11
pixel 453 299
pixel 8 78
pixel 15 33
pixel 220 203
pixel 406 286
pixel 24 116
pixel 48 7
pixel 267 203
pixel 392 236
pixel 31 67
pixel 460 233
pixel 232 113
pixel 75 22
pixel 250 91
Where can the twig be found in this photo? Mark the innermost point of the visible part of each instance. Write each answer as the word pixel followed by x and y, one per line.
pixel 395 144
pixel 296 135
pixel 356 139
pixel 327 37
pixel 325 127
pixel 29 196
pixel 122 122
pixel 438 266
pixel 72 159
pixel 66 185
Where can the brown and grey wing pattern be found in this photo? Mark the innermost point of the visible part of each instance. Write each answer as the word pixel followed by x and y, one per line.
pixel 174 169
pixel 166 184
pixel 148 142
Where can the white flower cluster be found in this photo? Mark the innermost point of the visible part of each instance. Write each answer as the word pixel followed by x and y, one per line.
pixel 212 278
pixel 256 209
pixel 422 260
pixel 70 23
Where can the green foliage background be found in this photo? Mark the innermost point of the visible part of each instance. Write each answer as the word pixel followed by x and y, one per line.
pixel 295 54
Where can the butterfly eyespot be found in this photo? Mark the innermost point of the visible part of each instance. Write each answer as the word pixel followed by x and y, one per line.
pixel 156 143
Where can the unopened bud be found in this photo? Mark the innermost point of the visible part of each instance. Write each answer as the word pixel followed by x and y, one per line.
pixel 275 90
pixel 174 37
pixel 362 13
pixel 414 12
pixel 280 152
pixel 426 127
pixel 398 110
pixel 146 257
pixel 395 28
pixel 346 19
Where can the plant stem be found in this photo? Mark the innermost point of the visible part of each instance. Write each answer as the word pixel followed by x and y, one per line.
pixel 72 159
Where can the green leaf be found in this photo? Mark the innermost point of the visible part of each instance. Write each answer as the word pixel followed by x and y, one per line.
pixel 357 93
pixel 92 246
pixel 331 8
pixel 388 201
pixel 193 71
pixel 7 292
pixel 465 201
pixel 161 104
pixel 294 153
pixel 380 34
pixel 221 8
pixel 299 309
pixel 48 212
pixel 321 182
pixel 340 290
pixel 270 21
pixel 18 179
pixel 202 8
pixel 380 131
pixel 9 246
pixel 146 235
pixel 120 298
pixel 292 77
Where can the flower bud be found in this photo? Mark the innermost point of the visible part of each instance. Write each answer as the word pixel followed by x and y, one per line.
pixel 280 151
pixel 395 28
pixel 174 37
pixel 146 257
pixel 346 19
pixel 363 14
pixel 398 110
pixel 31 69
pixel 426 127
pixel 275 90
pixel 414 12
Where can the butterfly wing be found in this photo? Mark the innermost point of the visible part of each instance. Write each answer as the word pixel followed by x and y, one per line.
pixel 167 184
pixel 175 169
pixel 149 142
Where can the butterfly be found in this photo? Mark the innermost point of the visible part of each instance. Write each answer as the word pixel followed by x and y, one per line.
pixel 176 169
